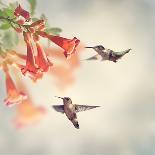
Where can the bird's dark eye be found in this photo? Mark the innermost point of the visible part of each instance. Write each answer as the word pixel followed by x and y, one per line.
pixel 101 47
pixel 67 98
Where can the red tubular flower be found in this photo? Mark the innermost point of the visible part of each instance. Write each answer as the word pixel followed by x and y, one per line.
pixel 69 45
pixel 19 11
pixel 31 75
pixel 41 59
pixel 30 61
pixel 13 96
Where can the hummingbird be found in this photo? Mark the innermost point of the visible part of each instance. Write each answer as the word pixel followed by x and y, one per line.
pixel 71 109
pixel 107 54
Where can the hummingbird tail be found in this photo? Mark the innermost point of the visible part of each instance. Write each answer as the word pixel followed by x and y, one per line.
pixel 75 123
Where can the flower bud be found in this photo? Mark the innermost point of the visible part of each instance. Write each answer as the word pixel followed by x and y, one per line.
pixel 21 21
pixel 19 30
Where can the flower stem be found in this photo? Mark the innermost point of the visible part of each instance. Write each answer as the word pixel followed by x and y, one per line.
pixel 12 22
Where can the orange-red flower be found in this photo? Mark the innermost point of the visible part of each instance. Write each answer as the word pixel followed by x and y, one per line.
pixel 30 61
pixel 69 45
pixel 41 60
pixel 33 76
pixel 13 95
pixel 28 114
pixel 19 11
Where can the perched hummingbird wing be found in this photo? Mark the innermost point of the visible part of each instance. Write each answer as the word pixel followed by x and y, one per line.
pixel 59 108
pixel 79 108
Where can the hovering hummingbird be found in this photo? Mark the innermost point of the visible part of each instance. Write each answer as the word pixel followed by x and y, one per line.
pixel 71 109
pixel 106 54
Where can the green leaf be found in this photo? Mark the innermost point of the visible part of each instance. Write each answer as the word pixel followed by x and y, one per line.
pixel 5 26
pixel 1 13
pixel 8 12
pixel 54 30
pixel 10 39
pixel 33 4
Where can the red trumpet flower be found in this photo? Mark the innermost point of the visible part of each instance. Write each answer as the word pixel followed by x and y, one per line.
pixel 19 11
pixel 13 96
pixel 42 60
pixel 30 61
pixel 69 45
pixel 31 75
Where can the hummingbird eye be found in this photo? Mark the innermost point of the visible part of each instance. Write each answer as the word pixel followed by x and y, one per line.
pixel 67 98
pixel 101 47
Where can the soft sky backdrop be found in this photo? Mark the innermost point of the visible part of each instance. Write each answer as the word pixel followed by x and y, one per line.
pixel 125 123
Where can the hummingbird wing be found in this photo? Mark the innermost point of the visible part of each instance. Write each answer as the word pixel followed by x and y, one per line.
pixel 59 108
pixel 79 108
pixel 118 55
pixel 95 57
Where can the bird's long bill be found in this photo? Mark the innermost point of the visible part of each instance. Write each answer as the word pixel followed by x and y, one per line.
pixel 59 97
pixel 89 47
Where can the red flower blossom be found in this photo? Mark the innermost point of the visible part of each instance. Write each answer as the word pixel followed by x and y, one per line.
pixel 19 11
pixel 69 45
pixel 33 76
pixel 30 61
pixel 41 59
pixel 13 96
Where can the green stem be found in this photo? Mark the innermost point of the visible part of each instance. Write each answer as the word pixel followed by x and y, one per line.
pixel 13 23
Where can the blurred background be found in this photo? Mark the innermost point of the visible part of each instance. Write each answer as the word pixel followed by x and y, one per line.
pixel 125 122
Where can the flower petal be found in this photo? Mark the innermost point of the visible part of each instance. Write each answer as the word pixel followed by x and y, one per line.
pixel 19 11
pixel 69 45
pixel 42 60
pixel 13 96
pixel 30 61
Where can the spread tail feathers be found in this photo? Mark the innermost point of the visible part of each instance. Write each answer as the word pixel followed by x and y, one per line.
pixel 75 123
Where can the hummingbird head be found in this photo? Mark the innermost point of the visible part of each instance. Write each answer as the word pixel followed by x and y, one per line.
pixel 98 47
pixel 65 99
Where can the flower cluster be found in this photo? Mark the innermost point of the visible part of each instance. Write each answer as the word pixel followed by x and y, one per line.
pixel 32 31
pixel 34 64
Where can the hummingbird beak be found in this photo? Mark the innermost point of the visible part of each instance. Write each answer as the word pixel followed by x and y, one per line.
pixel 89 47
pixel 59 97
